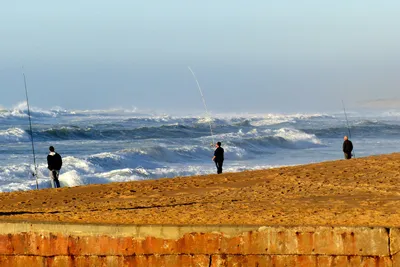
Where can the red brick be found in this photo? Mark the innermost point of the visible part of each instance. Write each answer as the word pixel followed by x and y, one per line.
pixel 6 247
pixel 130 261
pixel 33 244
pixel 199 243
pixel 103 245
pixel 22 261
pixel 20 243
pixel 263 260
pixel 59 261
pixel 171 261
pixel 83 245
pixel 298 261
pixel 48 244
pixel 305 242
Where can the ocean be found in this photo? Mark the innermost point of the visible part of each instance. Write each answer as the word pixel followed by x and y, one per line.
pixel 103 146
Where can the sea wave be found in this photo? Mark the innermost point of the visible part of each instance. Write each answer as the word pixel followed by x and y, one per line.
pixel 101 146
pixel 134 116
pixel 189 128
pixel 117 132
pixel 12 135
pixel 20 111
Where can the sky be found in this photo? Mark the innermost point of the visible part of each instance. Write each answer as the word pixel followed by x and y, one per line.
pixel 249 56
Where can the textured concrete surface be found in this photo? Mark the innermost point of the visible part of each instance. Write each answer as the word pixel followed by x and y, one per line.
pixel 47 244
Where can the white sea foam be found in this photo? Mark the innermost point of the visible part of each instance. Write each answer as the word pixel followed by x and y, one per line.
pixel 107 155
pixel 17 187
pixel 295 135
pixel 20 111
pixel 271 121
pixel 13 170
pixel 289 134
pixel 120 175
pixel 21 108
pixel 70 178
pixel 72 163
pixel 13 135
pixel 206 120
pixel 120 172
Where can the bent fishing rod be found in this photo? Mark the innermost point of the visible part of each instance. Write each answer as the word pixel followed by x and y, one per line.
pixel 34 173
pixel 348 126
pixel 204 103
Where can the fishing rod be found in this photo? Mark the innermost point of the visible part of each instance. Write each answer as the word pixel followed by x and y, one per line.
pixel 34 174
pixel 348 126
pixel 204 102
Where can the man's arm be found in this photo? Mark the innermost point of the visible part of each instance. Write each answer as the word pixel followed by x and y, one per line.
pixel 215 155
pixel 48 163
pixel 58 161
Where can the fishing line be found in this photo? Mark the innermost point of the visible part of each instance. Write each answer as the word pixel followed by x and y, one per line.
pixel 34 174
pixel 204 103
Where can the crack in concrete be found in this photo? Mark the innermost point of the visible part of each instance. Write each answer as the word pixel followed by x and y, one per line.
pixel 388 233
pixel 10 213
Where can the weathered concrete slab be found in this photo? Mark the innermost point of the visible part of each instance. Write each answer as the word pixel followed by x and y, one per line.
pixel 47 244
pixel 197 261
pixel 396 260
pixel 394 241
pixel 108 240
pixel 299 261
pixel 108 261
pixel 310 241
pixel 112 230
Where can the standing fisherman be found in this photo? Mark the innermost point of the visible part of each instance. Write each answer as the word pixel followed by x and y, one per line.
pixel 219 152
pixel 218 157
pixel 347 144
pixel 347 147
pixel 54 164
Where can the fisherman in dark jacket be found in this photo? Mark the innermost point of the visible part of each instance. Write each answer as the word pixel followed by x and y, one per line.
pixel 218 157
pixel 347 148
pixel 54 164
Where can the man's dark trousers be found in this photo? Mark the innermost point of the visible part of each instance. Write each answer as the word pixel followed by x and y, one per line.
pixel 219 166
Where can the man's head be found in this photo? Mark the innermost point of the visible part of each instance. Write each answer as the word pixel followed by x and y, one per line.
pixel 345 138
pixel 218 144
pixel 51 148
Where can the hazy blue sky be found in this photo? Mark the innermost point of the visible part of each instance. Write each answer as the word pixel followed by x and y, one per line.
pixel 255 56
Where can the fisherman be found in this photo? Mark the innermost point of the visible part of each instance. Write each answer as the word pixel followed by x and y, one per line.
pixel 218 157
pixel 54 163
pixel 347 148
